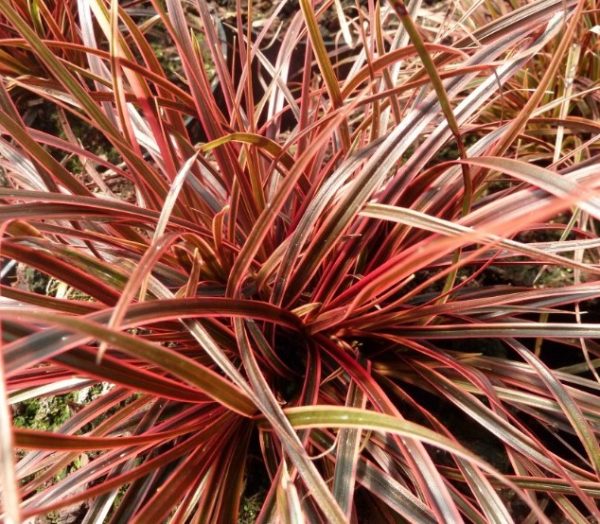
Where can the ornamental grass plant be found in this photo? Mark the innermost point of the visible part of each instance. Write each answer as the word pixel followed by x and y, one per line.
pixel 340 265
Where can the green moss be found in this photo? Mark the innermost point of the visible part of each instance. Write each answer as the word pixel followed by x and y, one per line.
pixel 74 165
pixel 27 413
pixel 46 413
pixel 250 508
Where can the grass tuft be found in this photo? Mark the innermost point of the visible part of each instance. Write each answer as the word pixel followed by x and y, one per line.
pixel 256 270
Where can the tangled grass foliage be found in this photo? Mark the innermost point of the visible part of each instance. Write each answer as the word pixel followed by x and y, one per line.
pixel 342 268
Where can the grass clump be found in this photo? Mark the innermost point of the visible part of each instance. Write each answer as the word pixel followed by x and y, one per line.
pixel 347 262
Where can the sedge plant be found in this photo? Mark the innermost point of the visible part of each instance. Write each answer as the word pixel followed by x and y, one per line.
pixel 338 268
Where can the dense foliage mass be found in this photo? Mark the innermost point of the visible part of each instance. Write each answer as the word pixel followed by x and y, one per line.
pixel 338 268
